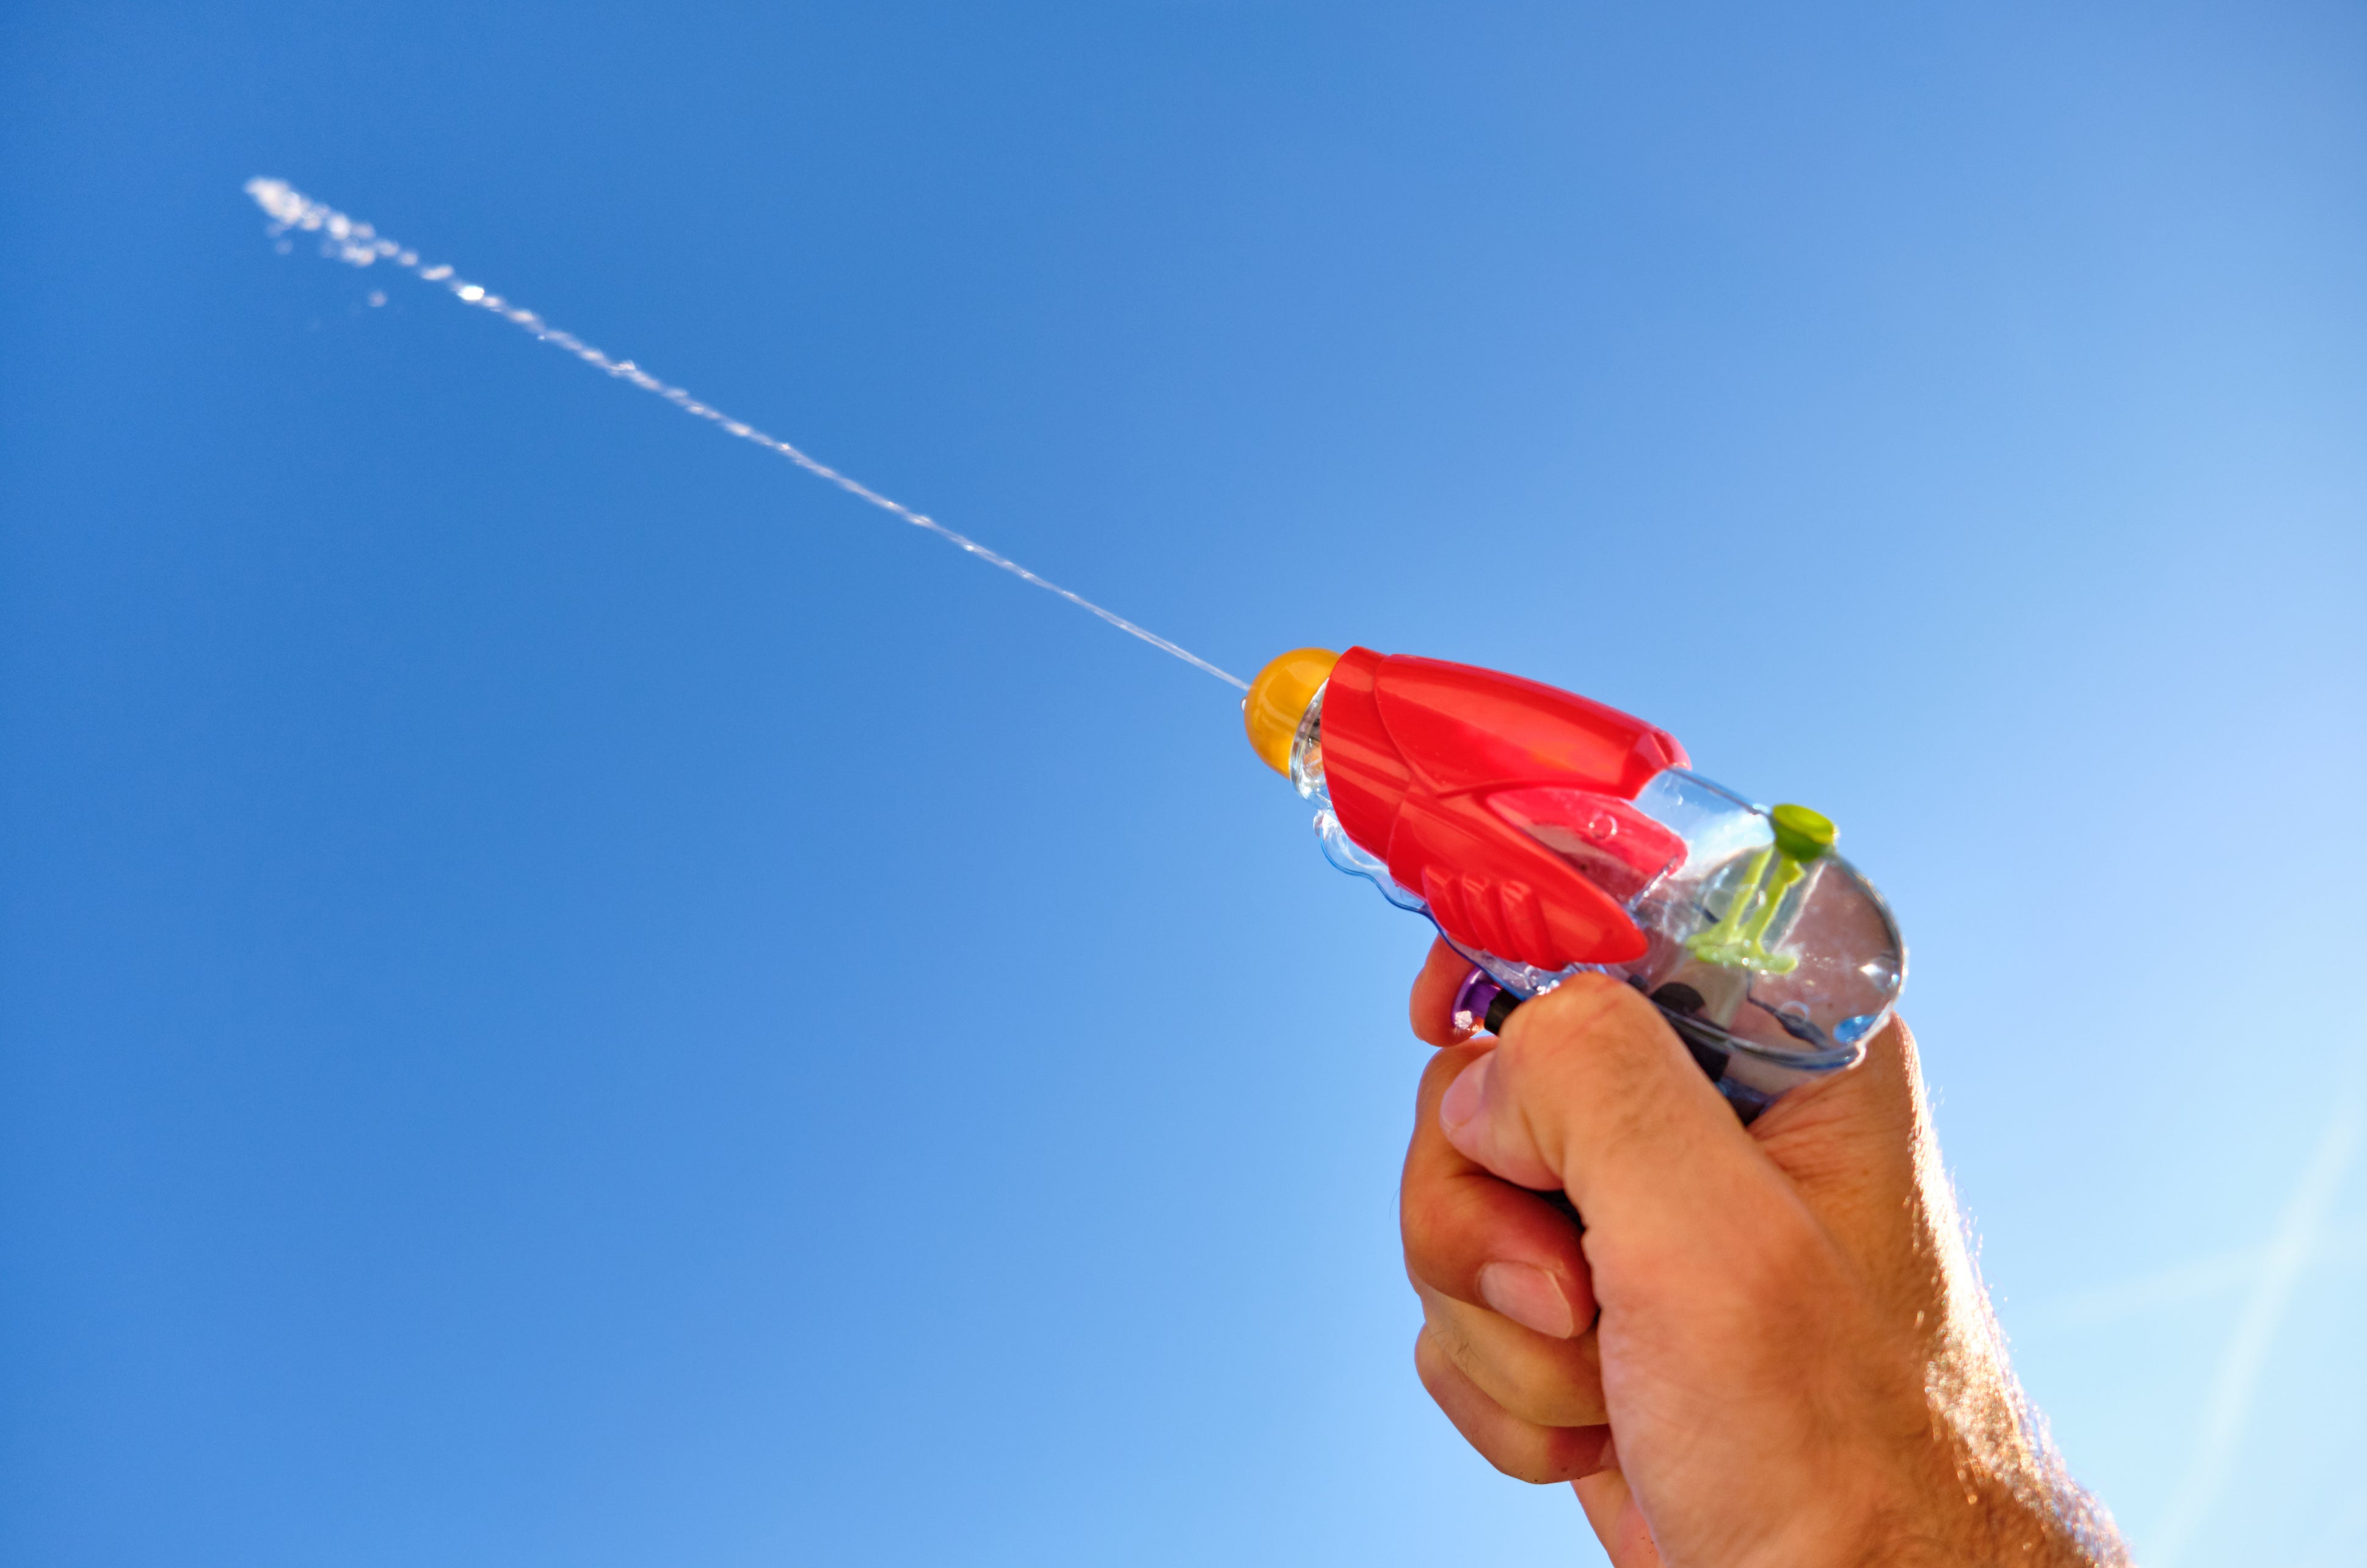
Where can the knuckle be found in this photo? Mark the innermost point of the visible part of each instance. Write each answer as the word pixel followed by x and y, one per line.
pixel 1440 1377
pixel 1577 1006
pixel 1570 1397
pixel 1424 1370
pixel 1542 1456
pixel 1579 1450
pixel 1597 1027
pixel 1432 1266
pixel 1526 1462
pixel 1450 1336
pixel 1442 1069
pixel 1423 1215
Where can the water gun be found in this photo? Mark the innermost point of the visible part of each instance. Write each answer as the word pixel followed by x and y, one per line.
pixel 1545 835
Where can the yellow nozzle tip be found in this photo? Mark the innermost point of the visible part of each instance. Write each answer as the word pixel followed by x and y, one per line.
pixel 1278 700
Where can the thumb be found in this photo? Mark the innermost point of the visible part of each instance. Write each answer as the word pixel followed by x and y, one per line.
pixel 1590 1090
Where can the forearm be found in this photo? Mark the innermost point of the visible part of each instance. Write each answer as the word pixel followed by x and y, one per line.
pixel 1992 1526
pixel 1988 1488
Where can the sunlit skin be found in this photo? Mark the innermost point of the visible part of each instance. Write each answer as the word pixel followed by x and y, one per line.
pixel 1769 1346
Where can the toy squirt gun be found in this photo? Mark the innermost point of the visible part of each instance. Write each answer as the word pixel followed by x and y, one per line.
pixel 1545 835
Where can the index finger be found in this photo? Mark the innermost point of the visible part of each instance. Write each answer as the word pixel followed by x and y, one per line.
pixel 1431 1008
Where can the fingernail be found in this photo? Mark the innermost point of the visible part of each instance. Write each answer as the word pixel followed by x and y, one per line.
pixel 1529 1296
pixel 1462 1098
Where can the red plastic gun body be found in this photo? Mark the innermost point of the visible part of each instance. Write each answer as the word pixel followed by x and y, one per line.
pixel 1506 804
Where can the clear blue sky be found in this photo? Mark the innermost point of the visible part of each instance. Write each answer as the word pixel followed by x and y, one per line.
pixel 573 995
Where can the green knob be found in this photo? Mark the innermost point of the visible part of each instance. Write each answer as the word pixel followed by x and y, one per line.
pixel 1803 834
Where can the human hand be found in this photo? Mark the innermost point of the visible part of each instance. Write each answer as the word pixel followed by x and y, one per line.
pixel 1793 1361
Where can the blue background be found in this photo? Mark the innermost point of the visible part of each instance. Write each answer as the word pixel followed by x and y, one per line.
pixel 573 996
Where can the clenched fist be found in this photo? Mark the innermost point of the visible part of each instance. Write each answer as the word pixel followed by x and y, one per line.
pixel 1764 1345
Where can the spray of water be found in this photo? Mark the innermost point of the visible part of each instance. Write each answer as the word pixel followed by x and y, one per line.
pixel 357 244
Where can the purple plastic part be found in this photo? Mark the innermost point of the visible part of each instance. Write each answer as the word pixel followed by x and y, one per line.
pixel 1472 998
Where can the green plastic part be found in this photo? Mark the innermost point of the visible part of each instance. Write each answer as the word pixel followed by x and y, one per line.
pixel 1803 834
pixel 1739 939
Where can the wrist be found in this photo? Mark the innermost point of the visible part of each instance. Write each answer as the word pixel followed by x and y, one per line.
pixel 1932 1488
pixel 1961 1503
